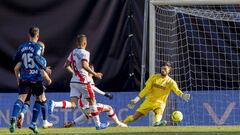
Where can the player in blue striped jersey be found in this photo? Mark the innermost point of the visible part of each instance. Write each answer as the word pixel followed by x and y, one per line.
pixel 47 81
pixel 29 78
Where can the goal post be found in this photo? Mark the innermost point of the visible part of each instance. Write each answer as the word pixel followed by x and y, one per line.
pixel 201 39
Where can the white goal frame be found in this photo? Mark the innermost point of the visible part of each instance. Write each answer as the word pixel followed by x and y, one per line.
pixel 152 20
pixel 149 30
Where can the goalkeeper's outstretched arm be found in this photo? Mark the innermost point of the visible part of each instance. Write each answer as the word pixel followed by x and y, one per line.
pixel 177 91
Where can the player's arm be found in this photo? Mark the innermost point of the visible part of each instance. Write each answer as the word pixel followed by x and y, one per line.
pixel 16 71
pixel 148 86
pixel 108 95
pixel 178 92
pixel 46 77
pixel 86 66
pixel 68 67
pixel 38 59
pixel 41 65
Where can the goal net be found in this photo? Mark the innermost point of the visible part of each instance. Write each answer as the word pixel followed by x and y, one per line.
pixel 202 42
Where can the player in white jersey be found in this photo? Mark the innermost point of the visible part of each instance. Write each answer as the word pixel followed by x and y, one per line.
pixel 78 65
pixel 84 106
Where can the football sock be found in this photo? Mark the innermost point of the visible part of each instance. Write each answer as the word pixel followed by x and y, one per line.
pixel 158 115
pixel 25 108
pixel 44 110
pixel 36 109
pixel 64 104
pixel 17 108
pixel 95 114
pixel 112 115
pixel 158 118
pixel 128 119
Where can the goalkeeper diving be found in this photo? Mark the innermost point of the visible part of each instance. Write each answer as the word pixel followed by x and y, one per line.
pixel 156 91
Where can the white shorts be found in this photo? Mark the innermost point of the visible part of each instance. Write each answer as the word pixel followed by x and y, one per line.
pixel 79 88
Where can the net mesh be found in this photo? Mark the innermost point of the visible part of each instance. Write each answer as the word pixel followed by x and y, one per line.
pixel 202 43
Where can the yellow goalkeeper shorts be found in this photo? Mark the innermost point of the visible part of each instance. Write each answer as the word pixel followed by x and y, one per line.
pixel 147 106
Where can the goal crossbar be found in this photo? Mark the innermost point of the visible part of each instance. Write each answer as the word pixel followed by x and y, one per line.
pixel 194 2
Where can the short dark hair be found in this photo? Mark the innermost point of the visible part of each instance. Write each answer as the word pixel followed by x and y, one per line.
pixel 167 64
pixel 80 38
pixel 33 31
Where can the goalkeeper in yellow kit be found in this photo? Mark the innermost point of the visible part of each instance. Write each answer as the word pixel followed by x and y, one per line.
pixel 157 89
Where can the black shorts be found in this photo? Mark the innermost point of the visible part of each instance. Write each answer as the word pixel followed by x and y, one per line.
pixel 33 88
pixel 28 98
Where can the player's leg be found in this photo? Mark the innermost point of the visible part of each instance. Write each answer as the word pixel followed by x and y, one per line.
pixel 110 112
pixel 144 108
pixel 24 110
pixel 61 104
pixel 94 111
pixel 158 111
pixel 23 92
pixel 37 90
pixel 88 93
pixel 46 124
pixel 64 104
pixel 82 118
pixel 74 95
pixel 134 117
pixel 74 101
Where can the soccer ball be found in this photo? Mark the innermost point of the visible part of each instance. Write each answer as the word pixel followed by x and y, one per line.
pixel 177 116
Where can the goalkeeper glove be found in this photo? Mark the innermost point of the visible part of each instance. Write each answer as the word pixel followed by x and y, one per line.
pixel 133 102
pixel 185 97
pixel 108 95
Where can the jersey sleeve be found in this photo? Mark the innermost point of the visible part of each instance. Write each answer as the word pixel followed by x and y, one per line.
pixel 175 88
pixel 148 86
pixel 85 56
pixel 40 61
pixel 38 50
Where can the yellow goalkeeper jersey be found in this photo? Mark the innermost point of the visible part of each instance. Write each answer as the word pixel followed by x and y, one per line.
pixel 158 88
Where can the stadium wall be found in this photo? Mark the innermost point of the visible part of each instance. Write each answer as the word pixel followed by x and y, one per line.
pixel 119 103
pixel 205 108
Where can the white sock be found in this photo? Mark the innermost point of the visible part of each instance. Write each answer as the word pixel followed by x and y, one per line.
pixel 95 116
pixel 45 121
pixel 80 119
pixel 112 115
pixel 64 104
pixel 22 115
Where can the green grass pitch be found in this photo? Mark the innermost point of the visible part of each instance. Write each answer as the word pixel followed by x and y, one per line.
pixel 168 130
